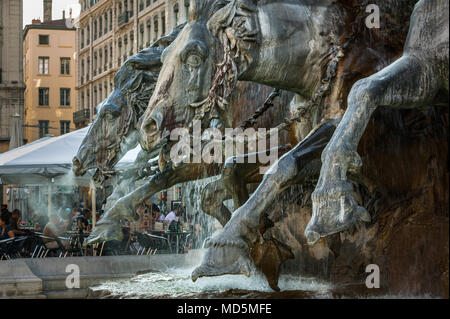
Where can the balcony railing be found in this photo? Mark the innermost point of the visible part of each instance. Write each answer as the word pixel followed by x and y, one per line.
pixel 81 116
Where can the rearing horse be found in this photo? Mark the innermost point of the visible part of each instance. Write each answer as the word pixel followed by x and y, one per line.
pixel 308 47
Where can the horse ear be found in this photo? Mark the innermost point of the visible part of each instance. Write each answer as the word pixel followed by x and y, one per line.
pixel 224 13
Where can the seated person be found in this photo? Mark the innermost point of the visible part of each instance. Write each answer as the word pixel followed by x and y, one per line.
pixel 5 230
pixel 157 215
pixel 173 216
pixel 15 222
pixel 4 209
pixel 54 229
pixel 41 221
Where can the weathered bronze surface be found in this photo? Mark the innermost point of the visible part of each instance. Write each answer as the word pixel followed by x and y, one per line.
pixel 341 71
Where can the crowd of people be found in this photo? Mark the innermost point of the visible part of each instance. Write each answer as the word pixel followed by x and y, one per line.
pixel 57 223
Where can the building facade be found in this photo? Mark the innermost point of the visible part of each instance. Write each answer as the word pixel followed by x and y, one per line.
pixel 11 68
pixel 49 75
pixel 110 31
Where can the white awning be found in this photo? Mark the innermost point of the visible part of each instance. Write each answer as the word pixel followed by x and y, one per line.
pixel 48 159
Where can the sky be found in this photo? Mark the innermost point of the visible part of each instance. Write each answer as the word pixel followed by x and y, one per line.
pixel 32 9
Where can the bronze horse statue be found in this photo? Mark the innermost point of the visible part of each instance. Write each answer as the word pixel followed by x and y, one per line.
pixel 114 132
pixel 317 49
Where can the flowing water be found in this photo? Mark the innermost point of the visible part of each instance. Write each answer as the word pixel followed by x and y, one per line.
pixel 177 283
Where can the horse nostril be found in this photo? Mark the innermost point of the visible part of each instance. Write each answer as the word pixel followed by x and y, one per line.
pixel 76 162
pixel 312 237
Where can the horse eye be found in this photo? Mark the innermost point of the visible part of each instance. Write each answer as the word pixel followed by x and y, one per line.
pixel 109 116
pixel 194 60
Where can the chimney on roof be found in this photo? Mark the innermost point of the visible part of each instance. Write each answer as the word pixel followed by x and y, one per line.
pixel 64 14
pixel 35 21
pixel 48 10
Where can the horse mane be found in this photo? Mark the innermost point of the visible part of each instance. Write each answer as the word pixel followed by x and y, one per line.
pixel 202 10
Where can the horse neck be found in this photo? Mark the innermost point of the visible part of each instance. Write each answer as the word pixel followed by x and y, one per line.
pixel 294 46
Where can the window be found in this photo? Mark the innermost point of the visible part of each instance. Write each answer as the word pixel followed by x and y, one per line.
pixel 175 14
pixel 65 66
pixel 82 38
pixel 187 3
pixel 64 96
pixel 163 23
pixel 95 63
pixel 131 42
pixel 110 20
pixel 88 68
pixel 141 36
pixel 82 100
pixel 44 96
pixel 44 39
pixel 155 27
pixel 106 23
pixel 95 97
pixel 64 127
pixel 43 128
pixel 43 64
pixel 148 32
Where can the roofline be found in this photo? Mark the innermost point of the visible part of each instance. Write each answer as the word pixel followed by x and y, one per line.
pixel 45 27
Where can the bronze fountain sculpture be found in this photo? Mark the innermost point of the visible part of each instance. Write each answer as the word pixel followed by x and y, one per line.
pixel 322 52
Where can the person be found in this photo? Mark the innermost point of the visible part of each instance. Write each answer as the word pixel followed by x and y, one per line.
pixel 158 216
pixel 15 222
pixel 83 220
pixel 5 230
pixel 53 229
pixel 173 216
pixel 41 221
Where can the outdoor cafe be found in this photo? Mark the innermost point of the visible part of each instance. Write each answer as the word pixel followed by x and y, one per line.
pixel 47 184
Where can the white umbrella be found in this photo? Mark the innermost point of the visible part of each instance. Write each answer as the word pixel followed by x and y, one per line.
pixel 48 159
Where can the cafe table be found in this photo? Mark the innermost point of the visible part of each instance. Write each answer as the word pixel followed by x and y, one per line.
pixel 170 235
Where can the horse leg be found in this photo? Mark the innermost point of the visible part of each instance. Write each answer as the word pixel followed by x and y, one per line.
pixel 408 82
pixel 213 196
pixel 230 251
pixel 299 165
pixel 109 227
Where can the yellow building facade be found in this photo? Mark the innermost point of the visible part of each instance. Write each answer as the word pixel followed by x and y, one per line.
pixel 49 76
